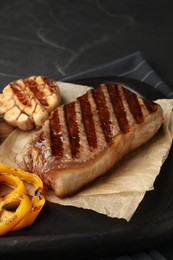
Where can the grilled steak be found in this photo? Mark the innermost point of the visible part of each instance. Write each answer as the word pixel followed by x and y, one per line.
pixel 82 140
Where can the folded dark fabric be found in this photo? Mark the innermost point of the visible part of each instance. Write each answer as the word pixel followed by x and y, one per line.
pixel 132 66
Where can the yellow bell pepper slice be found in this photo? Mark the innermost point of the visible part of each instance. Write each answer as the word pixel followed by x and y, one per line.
pixel 8 221
pixel 18 187
pixel 36 206
pixel 23 175
pixel 13 181
pixel 37 200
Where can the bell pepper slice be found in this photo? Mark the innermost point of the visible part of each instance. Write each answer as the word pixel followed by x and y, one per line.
pixel 11 219
pixel 37 200
pixel 17 186
pixel 37 203
pixel 23 175
pixel 14 182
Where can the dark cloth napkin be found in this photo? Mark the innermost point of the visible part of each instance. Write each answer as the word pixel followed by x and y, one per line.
pixel 132 66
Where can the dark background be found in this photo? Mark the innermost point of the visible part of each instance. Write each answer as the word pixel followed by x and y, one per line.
pixel 61 37
pixel 58 38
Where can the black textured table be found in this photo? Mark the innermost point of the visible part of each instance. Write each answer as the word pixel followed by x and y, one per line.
pixel 60 38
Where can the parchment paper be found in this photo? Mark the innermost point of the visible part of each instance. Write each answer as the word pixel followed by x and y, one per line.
pixel 119 193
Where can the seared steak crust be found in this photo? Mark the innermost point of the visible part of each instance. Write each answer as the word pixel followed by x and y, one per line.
pixel 82 140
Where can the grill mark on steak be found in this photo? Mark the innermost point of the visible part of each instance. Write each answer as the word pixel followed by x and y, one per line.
pixel 103 113
pixel 151 106
pixel 88 121
pixel 39 153
pixel 56 138
pixel 119 110
pixel 134 105
pixel 39 141
pixel 72 127
pixel 115 127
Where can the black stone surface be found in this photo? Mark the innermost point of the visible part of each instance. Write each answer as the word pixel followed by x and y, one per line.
pixel 58 38
pixel 61 37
